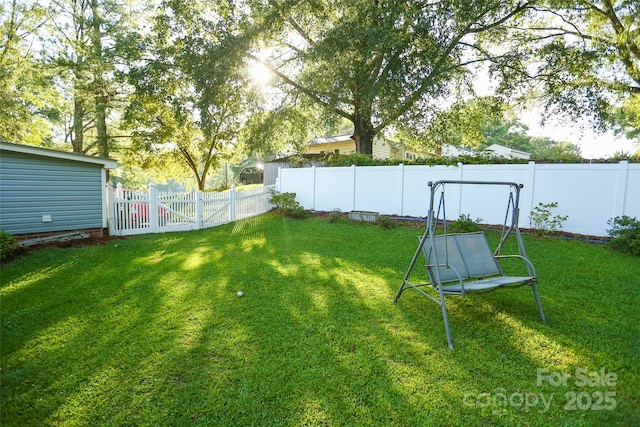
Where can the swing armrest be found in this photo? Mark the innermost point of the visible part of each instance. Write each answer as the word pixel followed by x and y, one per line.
pixel 459 279
pixel 530 268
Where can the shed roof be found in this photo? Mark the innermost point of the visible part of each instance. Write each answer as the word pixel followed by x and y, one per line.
pixel 106 163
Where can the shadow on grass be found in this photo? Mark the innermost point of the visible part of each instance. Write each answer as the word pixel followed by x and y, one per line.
pixel 149 330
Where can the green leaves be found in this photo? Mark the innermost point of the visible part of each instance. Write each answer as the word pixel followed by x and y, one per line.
pixel 543 221
pixel 585 58
pixel 625 234
pixel 481 122
pixel 28 99
pixel 190 100
pixel 381 64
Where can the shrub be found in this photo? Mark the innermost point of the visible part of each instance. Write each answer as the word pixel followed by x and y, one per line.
pixel 543 221
pixel 465 224
pixel 335 216
pixel 386 222
pixel 357 159
pixel 8 245
pixel 625 234
pixel 287 205
pixel 621 155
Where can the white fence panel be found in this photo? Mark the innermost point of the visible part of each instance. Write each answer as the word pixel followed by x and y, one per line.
pixel 488 203
pixel 251 202
pixel 589 194
pixel 139 212
pixel 177 211
pixel 584 193
pixel 628 201
pixel 216 209
pixel 334 189
pixel 128 211
pixel 415 195
pixel 378 188
pixel 302 182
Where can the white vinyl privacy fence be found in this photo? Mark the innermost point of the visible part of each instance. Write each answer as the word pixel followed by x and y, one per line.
pixel 589 194
pixel 152 211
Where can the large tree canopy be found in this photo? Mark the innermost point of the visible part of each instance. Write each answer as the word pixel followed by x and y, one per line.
pixel 191 97
pixel 28 100
pixel 82 45
pixel 583 58
pixel 382 66
pixel 379 63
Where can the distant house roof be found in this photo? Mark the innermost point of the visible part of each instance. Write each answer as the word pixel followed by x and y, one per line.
pixel 496 149
pixel 452 150
pixel 297 157
pixel 508 151
pixel 330 139
pixel 345 138
pixel 56 154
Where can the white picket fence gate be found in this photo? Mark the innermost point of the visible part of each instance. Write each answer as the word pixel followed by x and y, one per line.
pixel 152 211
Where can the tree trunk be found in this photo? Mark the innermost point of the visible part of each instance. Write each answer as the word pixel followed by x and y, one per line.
pixel 100 90
pixel 101 124
pixel 202 180
pixel 77 140
pixel 363 133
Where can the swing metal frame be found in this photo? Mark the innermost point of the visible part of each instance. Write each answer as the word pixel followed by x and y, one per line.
pixel 459 263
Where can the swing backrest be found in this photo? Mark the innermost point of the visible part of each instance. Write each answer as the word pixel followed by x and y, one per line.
pixel 468 254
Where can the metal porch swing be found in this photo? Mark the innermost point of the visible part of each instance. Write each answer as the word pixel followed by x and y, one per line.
pixel 460 263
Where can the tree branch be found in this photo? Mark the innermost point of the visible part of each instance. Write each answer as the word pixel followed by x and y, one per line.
pixel 301 31
pixel 520 8
pixel 312 94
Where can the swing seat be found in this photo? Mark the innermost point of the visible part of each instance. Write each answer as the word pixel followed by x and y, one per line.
pixel 461 263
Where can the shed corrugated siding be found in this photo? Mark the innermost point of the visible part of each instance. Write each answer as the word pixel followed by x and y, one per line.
pixel 33 186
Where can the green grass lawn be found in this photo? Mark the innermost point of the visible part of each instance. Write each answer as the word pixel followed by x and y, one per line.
pixel 149 331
